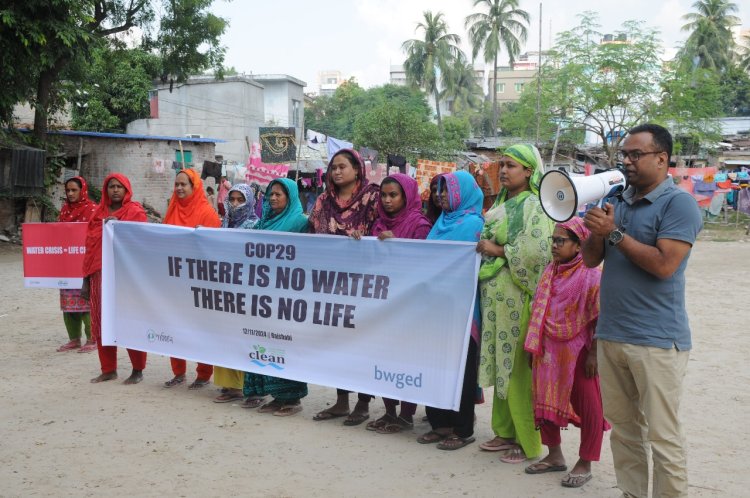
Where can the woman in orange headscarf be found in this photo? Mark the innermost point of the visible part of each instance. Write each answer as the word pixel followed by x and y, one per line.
pixel 189 207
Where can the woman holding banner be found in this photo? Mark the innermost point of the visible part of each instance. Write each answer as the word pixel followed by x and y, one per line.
pixel 399 215
pixel 116 204
pixel 282 212
pixel 77 208
pixel 348 204
pixel 461 200
pixel 515 250
pixel 189 207
pixel 239 207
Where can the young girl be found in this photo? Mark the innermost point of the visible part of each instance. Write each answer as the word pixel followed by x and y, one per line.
pixel 76 310
pixel 565 383
pixel 399 215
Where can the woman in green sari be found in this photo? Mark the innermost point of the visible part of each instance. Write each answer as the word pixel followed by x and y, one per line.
pixel 515 250
pixel 282 212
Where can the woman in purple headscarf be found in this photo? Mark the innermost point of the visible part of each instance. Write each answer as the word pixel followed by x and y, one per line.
pixel 399 215
pixel 349 204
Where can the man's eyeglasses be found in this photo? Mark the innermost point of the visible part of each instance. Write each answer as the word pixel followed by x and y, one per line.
pixel 558 241
pixel 633 155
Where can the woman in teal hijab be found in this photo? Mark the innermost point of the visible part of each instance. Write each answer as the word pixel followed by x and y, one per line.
pixel 282 212
pixel 515 250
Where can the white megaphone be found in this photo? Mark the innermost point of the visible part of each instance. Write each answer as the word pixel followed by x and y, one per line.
pixel 561 194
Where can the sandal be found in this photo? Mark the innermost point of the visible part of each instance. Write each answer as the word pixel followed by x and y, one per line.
pixel 515 455
pixel 576 480
pixel 543 467
pixel 288 410
pixel 68 346
pixel 395 427
pixel 175 381
pixel 328 415
pixel 227 397
pixel 253 402
pixel 271 407
pixel 431 437
pixel 380 423
pixel 356 419
pixel 454 442
pixel 503 446
pixel 198 383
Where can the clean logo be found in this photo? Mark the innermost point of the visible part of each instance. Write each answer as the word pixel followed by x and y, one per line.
pixel 267 357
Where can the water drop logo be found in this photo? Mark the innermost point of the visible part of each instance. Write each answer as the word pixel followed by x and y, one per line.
pixel 151 335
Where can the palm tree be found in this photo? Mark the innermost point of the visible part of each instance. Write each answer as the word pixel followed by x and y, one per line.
pixel 461 86
pixel 503 26
pixel 744 61
pixel 430 59
pixel 710 44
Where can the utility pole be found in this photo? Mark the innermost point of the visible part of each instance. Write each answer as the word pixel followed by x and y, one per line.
pixel 539 79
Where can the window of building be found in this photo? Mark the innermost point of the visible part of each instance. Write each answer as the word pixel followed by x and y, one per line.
pixel 295 113
pixel 519 87
pixel 499 87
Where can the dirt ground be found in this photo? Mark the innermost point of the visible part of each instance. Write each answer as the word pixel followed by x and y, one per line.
pixel 62 436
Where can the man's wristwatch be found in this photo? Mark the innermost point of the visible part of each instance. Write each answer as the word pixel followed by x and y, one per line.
pixel 615 237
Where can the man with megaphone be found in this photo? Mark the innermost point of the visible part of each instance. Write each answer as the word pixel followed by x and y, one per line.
pixel 644 239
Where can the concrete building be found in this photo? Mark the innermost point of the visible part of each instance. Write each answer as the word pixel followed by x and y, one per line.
pixel 232 109
pixel 329 81
pixel 510 83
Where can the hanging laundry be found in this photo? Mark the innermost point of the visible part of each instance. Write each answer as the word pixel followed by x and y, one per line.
pixel 335 145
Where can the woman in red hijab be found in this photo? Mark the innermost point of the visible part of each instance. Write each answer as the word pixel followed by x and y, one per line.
pixel 117 204
pixel 77 208
pixel 189 207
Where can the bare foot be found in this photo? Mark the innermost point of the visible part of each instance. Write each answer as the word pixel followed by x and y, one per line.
pixel 135 377
pixel 581 467
pixel 104 377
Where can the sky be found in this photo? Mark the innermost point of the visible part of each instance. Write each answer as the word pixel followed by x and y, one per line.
pixel 362 38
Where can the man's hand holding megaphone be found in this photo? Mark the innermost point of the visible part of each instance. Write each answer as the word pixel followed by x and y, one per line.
pixel 601 221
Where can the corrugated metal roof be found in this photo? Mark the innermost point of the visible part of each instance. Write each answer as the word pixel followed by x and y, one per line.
pixel 74 133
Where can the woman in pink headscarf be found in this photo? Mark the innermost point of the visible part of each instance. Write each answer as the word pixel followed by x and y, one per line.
pixel 565 382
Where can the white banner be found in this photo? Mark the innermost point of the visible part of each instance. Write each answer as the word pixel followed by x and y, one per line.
pixel 387 318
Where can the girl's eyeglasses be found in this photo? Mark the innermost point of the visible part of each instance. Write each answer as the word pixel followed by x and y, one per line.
pixel 558 241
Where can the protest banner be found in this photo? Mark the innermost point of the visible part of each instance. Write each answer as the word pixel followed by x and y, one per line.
pixel 389 318
pixel 53 254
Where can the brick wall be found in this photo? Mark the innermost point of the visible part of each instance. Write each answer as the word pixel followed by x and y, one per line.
pixel 138 160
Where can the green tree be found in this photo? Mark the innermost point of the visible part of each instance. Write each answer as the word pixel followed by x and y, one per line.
pixel 430 59
pixel 456 130
pixel 41 39
pixel 735 92
pixel 393 128
pixel 710 44
pixel 113 89
pixel 335 115
pixel 188 40
pixel 690 102
pixel 504 25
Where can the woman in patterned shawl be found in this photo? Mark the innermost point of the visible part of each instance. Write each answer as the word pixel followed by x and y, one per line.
pixel 76 310
pixel 349 204
pixel 515 250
